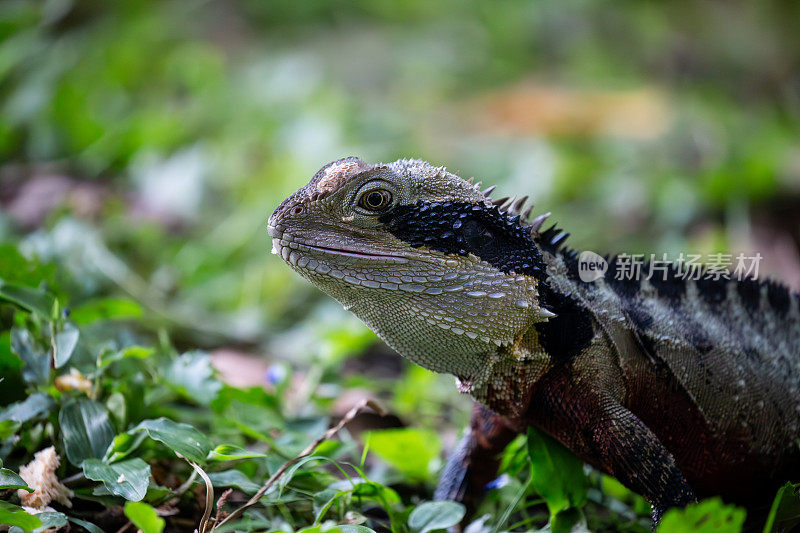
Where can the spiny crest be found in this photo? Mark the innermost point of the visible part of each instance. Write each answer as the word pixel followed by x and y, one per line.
pixel 515 208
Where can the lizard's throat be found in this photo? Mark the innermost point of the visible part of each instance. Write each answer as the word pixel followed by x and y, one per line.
pixel 443 321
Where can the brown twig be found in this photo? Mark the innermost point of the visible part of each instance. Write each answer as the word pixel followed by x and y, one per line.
pixel 351 414
pixel 223 499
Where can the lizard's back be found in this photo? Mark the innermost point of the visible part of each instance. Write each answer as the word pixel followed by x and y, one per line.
pixel 714 372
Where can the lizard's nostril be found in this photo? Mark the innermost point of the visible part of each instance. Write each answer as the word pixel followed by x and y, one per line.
pixel 296 210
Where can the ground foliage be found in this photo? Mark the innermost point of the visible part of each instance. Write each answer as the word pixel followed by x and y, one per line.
pixel 144 143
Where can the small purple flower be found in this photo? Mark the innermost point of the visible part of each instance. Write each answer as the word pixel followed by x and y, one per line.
pixel 275 374
pixel 497 483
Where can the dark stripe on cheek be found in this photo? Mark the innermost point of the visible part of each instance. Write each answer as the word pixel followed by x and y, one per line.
pixel 463 228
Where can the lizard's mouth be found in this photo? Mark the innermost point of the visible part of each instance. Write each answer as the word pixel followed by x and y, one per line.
pixel 293 250
pixel 346 252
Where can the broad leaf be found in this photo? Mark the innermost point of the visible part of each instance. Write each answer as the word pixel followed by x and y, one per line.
pixel 227 452
pixel 785 510
pixel 35 300
pixel 181 438
pixel 708 516
pixel 8 428
pixel 66 341
pixel 122 445
pixel 16 268
pixel 11 480
pixel 88 526
pixel 51 521
pixel 570 520
pixel 409 450
pixel 14 515
pixel 35 358
pixel 85 430
pixel 33 407
pixel 144 517
pixel 127 478
pixel 132 352
pixel 323 500
pixel 429 516
pixel 558 475
pixel 106 309
pixel 233 478
pixel 192 374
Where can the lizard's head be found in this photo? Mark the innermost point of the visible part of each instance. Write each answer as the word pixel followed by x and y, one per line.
pixel 422 256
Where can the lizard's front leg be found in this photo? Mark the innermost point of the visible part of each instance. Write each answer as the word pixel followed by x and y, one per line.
pixel 612 439
pixel 634 455
pixel 474 461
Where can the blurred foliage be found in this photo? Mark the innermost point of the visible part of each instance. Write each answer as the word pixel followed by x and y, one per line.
pixel 143 144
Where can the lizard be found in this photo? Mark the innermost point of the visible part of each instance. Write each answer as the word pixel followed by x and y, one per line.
pixel 679 388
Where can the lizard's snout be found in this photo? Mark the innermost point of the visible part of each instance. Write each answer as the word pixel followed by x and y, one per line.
pixel 274 227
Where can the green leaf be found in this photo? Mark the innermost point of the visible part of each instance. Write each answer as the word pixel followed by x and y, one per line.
pixel 127 478
pixel 105 309
pixel 181 438
pixel 116 405
pixel 429 516
pixel 233 478
pixel 785 510
pixel 33 407
pixel 10 363
pixel 292 470
pixel 88 526
pixel 122 445
pixel 16 268
pixel 132 352
pixel 409 450
pixel 8 428
pixel 36 360
pixel 352 528
pixel 14 515
pixel 11 480
pixel 50 521
pixel 254 420
pixel 85 430
pixel 708 516
pixel 557 475
pixel 228 452
pixel 323 501
pixel 66 340
pixel 567 521
pixel 246 524
pixel 35 300
pixel 371 490
pixel 192 374
pixel 144 517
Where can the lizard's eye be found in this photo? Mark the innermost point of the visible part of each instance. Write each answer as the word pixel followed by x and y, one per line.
pixel 375 200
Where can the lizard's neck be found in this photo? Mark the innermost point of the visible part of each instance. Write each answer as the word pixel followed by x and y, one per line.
pixel 456 321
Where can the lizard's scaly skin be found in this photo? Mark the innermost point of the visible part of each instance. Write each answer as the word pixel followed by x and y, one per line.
pixel 677 388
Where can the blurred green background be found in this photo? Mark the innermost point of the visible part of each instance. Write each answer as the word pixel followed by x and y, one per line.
pixel 143 144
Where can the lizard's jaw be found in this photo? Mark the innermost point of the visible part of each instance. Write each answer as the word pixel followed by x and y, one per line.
pixel 305 253
pixel 421 307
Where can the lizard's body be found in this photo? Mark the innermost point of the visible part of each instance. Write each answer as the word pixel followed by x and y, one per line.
pixel 677 388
